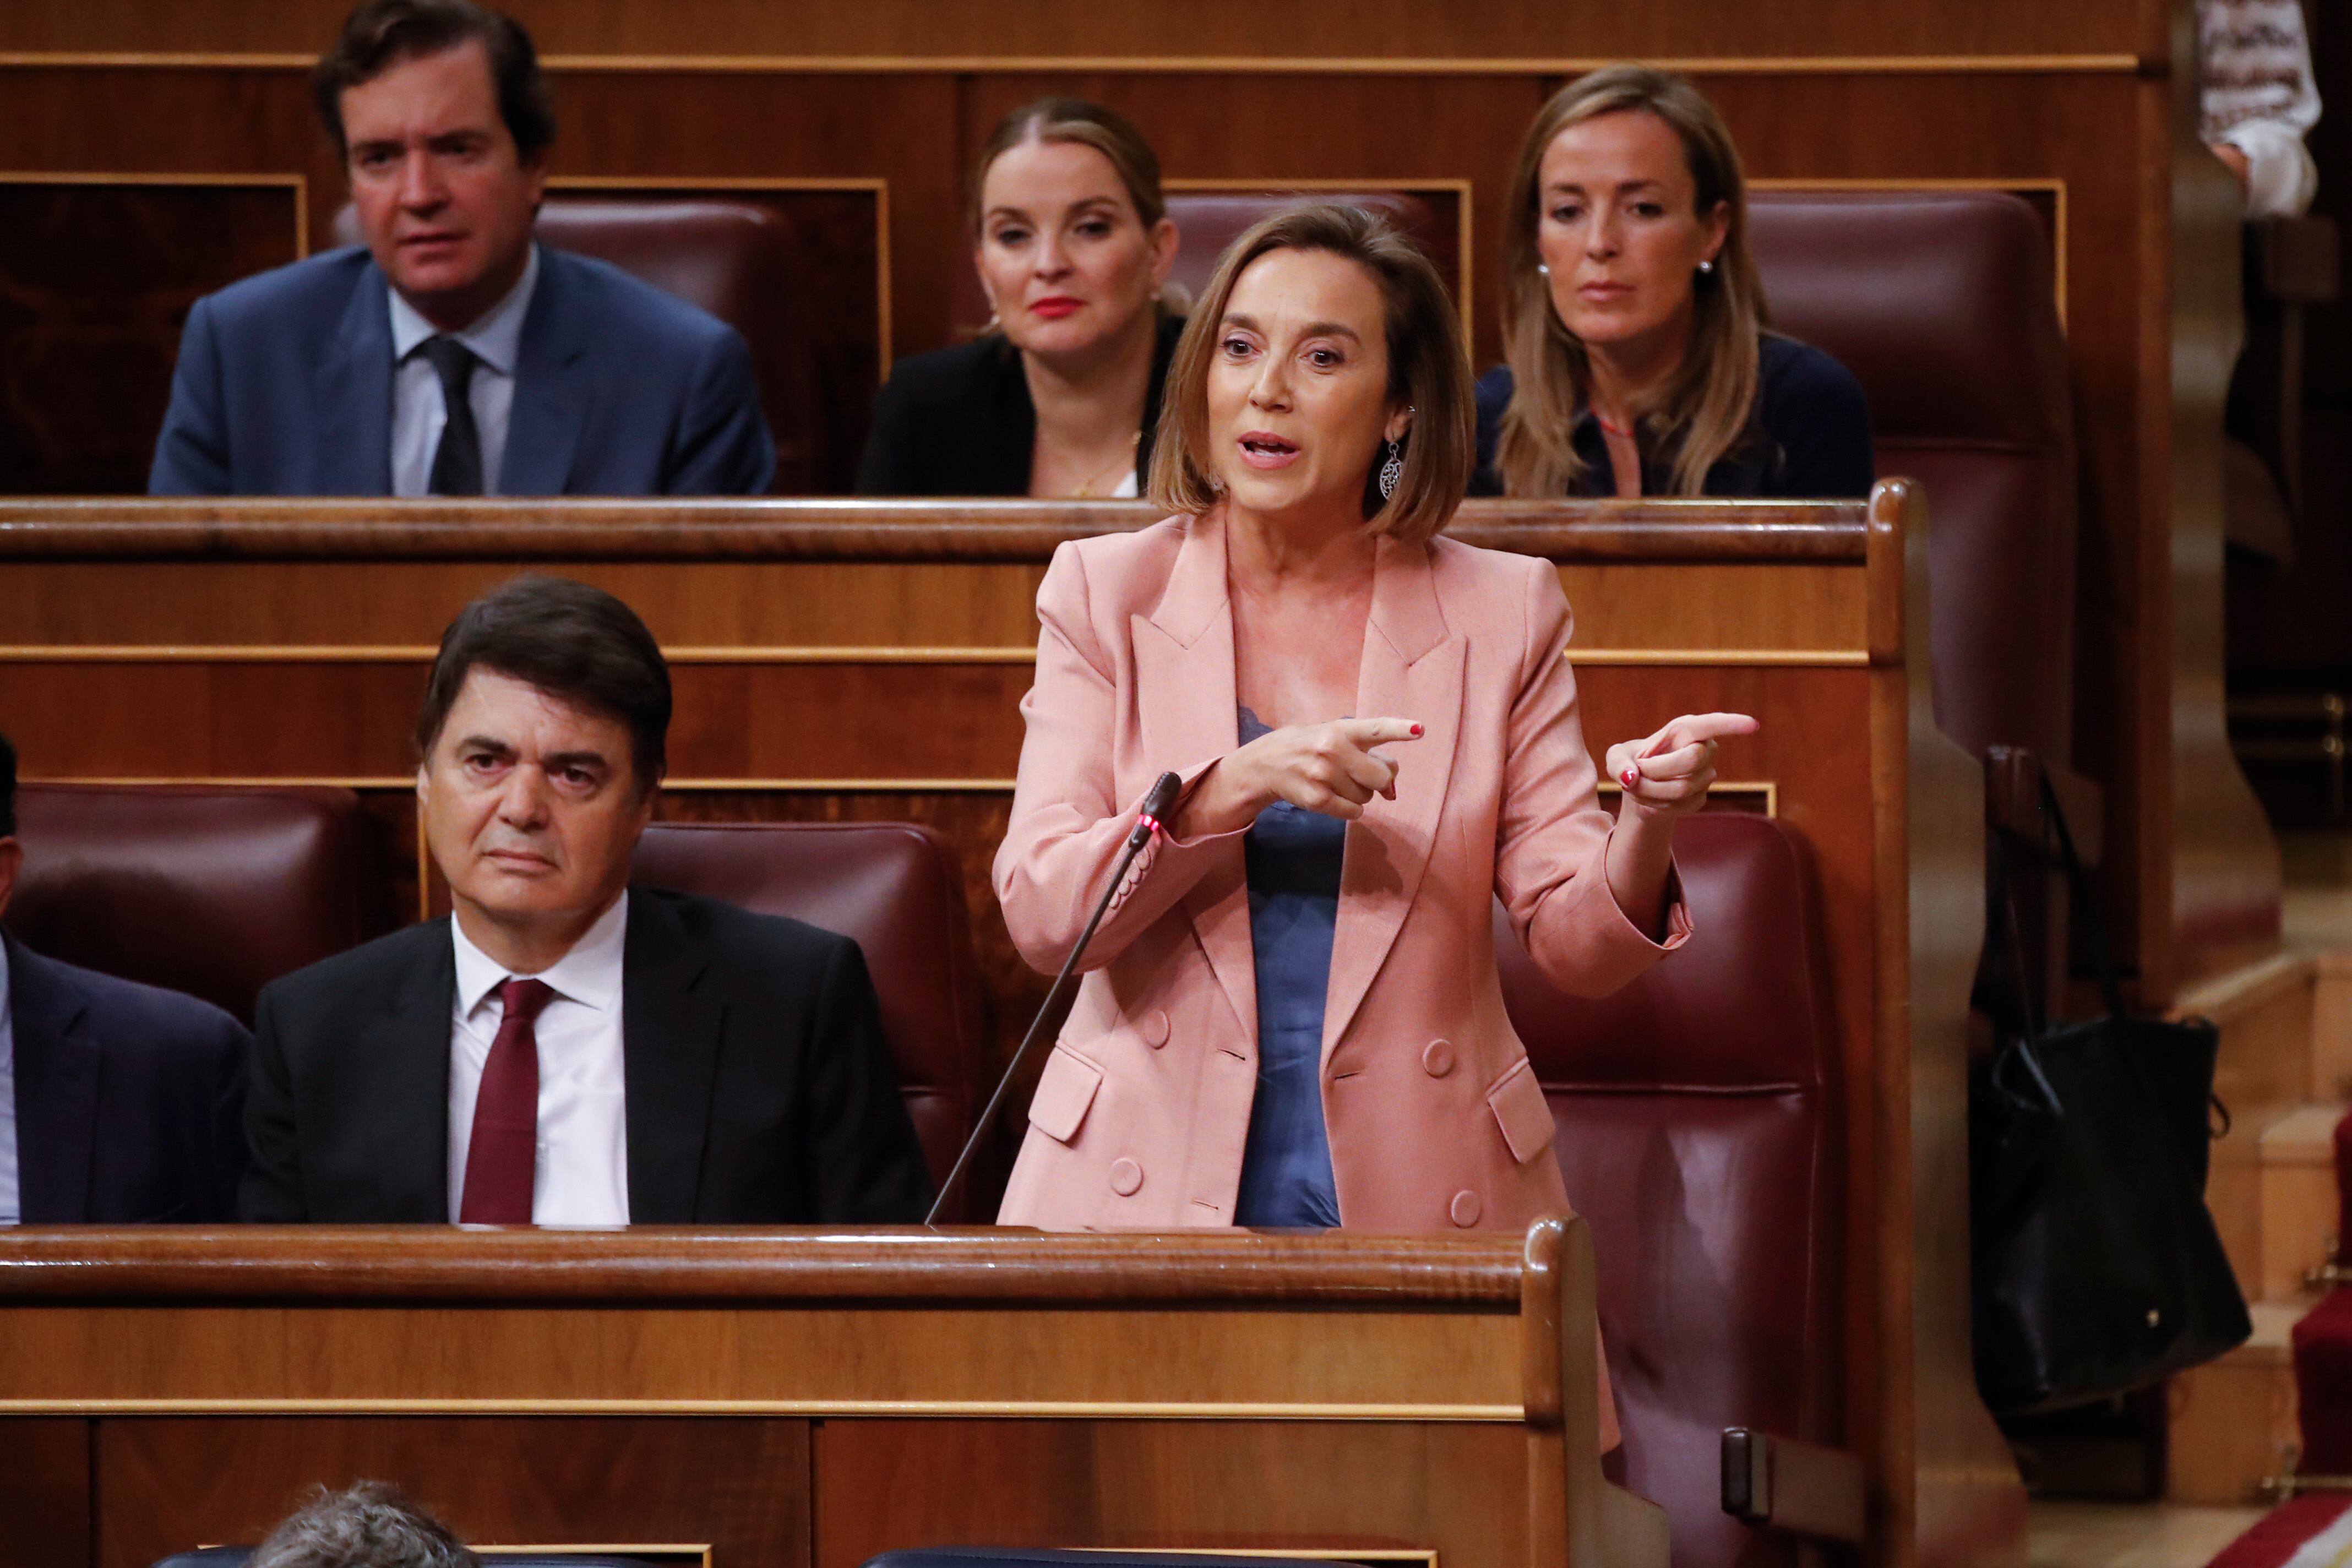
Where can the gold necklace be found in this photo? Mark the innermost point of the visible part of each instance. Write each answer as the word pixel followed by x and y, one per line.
pixel 1087 491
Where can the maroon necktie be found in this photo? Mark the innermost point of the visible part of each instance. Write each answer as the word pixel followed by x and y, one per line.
pixel 503 1158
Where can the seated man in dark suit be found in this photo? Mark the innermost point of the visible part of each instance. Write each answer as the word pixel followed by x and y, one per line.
pixel 566 1049
pixel 118 1101
pixel 452 355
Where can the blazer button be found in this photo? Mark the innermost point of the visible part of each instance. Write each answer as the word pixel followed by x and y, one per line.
pixel 1466 1208
pixel 1155 1029
pixel 1438 1060
pixel 1126 1176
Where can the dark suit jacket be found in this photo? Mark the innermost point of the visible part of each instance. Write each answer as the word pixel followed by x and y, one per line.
pixel 959 422
pixel 757 1086
pixel 128 1098
pixel 284 387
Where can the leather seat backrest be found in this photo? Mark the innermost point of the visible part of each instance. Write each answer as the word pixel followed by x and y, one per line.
pixel 1943 304
pixel 1695 1134
pixel 896 889
pixel 749 265
pixel 1208 221
pixel 215 892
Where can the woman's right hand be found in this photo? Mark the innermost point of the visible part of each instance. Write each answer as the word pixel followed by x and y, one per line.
pixel 1331 768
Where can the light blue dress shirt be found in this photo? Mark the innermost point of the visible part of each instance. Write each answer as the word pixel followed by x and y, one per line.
pixel 12 1203
pixel 417 410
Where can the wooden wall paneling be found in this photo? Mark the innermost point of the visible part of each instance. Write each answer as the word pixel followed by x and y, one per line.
pixel 1449 1495
pixel 45 1492
pixel 98 273
pixel 731 1492
pixel 884 30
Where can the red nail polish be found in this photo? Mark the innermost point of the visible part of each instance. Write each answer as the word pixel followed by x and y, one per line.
pixel 1416 731
pixel 1630 777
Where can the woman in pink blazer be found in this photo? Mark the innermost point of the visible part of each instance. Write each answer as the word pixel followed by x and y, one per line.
pixel 1291 1014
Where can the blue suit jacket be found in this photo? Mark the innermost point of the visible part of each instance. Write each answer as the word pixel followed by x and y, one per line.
pixel 284 387
pixel 130 1100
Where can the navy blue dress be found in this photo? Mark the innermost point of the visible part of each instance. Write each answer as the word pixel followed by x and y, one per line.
pixel 1811 439
pixel 1294 859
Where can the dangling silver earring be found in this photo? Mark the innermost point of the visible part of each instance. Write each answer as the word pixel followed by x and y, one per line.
pixel 1391 472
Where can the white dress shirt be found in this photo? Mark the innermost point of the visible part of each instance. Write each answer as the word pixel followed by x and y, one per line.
pixel 581 1174
pixel 12 1199
pixel 417 409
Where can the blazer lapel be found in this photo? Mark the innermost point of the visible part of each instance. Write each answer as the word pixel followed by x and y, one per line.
pixel 1412 669
pixel 1184 696
pixel 353 389
pixel 403 1079
pixel 57 1091
pixel 550 394
pixel 670 1030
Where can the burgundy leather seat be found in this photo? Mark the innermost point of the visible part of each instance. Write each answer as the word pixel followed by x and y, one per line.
pixel 895 888
pixel 1941 302
pixel 1695 1134
pixel 1209 221
pixel 748 265
pixel 215 892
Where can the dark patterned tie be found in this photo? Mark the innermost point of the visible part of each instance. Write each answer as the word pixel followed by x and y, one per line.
pixel 503 1160
pixel 457 461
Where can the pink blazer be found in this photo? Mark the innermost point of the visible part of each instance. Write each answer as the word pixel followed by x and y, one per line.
pixel 1435 1119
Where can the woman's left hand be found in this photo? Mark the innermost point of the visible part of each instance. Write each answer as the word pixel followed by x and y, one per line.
pixel 1667 774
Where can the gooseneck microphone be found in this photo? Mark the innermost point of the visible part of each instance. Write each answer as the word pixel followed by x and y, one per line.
pixel 1148 822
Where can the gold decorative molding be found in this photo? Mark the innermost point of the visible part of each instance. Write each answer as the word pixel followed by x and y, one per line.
pixel 1729 658
pixel 1130 65
pixel 423 653
pixel 298 183
pixel 2054 189
pixel 1041 1409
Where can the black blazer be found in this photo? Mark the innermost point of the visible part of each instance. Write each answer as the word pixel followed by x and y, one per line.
pixel 959 422
pixel 1809 439
pixel 128 1098
pixel 757 1086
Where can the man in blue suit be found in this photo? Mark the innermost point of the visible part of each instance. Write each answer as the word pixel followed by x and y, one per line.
pixel 118 1102
pixel 452 354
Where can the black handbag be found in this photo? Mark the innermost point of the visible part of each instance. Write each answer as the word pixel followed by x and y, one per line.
pixel 2098 1269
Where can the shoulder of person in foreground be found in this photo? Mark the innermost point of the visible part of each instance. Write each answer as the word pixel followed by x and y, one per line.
pixel 1815 411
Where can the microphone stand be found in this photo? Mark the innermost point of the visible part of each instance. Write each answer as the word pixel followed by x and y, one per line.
pixel 1148 826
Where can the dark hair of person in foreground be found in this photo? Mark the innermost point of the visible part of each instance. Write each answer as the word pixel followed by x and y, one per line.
pixel 567 638
pixel 368 1525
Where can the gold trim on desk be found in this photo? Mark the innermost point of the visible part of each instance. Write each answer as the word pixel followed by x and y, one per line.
pixel 299 185
pixel 1032 1410
pixel 422 653
pixel 675 786
pixel 1130 65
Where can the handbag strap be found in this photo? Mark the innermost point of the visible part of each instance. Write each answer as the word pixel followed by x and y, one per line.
pixel 2092 919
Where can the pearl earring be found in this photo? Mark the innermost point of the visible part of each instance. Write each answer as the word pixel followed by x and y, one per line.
pixel 1706 266
pixel 1543 269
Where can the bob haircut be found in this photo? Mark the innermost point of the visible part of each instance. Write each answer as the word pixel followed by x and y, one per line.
pixel 1428 372
pixel 1707 410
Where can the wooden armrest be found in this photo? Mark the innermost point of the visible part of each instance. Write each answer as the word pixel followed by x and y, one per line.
pixel 1801 1488
pixel 2013 780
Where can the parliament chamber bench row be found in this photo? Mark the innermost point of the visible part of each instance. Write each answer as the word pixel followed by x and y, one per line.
pixel 1758 1137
